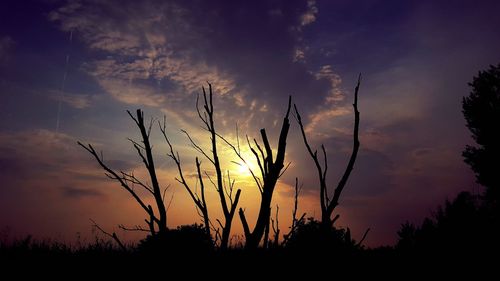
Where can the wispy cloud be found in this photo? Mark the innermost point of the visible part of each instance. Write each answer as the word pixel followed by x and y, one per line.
pixel 79 101
pixel 334 94
pixel 131 93
pixel 161 54
pixel 77 192
pixel 310 15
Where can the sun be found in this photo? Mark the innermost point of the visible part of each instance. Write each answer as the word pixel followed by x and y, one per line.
pixel 243 168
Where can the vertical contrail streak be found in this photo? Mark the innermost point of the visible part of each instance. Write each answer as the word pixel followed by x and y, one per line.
pixel 63 85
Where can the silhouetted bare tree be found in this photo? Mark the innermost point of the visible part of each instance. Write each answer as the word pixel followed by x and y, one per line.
pixel 327 205
pixel 225 191
pixel 271 170
pixel 200 202
pixel 128 180
pixel 295 220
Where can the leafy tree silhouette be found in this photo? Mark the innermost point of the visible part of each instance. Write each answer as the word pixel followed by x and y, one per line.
pixel 481 110
pixel 463 225
pixel 469 225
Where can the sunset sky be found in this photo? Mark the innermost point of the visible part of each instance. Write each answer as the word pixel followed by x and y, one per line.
pixel 69 70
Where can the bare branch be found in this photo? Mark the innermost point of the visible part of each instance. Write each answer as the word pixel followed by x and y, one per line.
pixel 170 201
pixel 220 223
pixel 266 168
pixel 165 192
pixel 284 170
pixel 134 180
pixel 133 118
pixel 233 205
pixel 136 143
pixel 276 228
pixel 296 202
pixel 197 147
pixel 257 158
pixel 149 163
pixel 354 154
pixel 135 228
pixel 202 118
pixel 210 179
pixel 327 199
pixel 149 127
pixel 203 203
pixel 244 222
pixel 314 156
pixel 269 152
pixel 364 237
pixel 272 171
pixel 242 159
pixel 113 175
pixel 112 235
pixel 337 216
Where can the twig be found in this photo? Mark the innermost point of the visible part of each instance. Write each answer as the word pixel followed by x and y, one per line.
pixel 112 235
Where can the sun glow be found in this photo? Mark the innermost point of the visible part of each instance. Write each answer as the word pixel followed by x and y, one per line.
pixel 243 169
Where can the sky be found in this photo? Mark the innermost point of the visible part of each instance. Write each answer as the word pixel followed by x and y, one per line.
pixel 69 70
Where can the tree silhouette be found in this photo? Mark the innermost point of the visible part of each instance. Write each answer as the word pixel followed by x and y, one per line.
pixel 128 180
pixel 311 236
pixel 481 110
pixel 463 225
pixel 271 170
pixel 200 202
pixel 327 205
pixel 228 201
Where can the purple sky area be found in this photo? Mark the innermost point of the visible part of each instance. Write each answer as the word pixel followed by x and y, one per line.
pixel 70 69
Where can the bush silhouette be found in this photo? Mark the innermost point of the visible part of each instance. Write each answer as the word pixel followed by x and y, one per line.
pixel 311 235
pixel 185 239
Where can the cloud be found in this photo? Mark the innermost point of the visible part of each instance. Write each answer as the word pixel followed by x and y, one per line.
pixel 299 55
pixel 79 101
pixel 77 192
pixel 310 15
pixel 148 61
pixel 50 186
pixel 47 157
pixel 321 123
pixel 131 93
pixel 326 73
pixel 6 45
pixel 160 53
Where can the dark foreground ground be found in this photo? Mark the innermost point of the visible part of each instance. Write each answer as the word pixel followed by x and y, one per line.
pixel 104 261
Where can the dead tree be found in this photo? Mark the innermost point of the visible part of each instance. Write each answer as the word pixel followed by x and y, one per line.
pixel 327 205
pixel 271 170
pixel 225 192
pixel 157 224
pixel 276 229
pixel 295 220
pixel 200 202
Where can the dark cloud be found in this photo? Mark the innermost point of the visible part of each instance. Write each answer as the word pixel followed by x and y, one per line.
pixel 77 192
pixel 372 175
pixel 6 46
